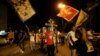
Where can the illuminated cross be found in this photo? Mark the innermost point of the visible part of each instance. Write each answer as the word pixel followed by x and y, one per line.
pixel 51 24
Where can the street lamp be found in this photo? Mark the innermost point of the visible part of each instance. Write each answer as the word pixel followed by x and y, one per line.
pixel 61 5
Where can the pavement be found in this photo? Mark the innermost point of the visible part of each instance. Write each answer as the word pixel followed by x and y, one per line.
pixel 63 50
pixel 9 50
pixel 14 50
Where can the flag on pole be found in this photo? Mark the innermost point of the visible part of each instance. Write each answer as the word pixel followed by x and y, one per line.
pixel 23 8
pixel 81 18
pixel 68 13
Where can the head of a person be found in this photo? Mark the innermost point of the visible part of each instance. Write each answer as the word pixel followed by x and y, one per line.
pixel 74 28
pixel 39 30
pixel 44 29
pixel 49 29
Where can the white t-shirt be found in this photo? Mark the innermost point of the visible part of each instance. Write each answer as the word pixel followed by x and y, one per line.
pixel 71 35
pixel 32 38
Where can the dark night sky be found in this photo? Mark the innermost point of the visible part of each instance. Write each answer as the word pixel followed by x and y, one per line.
pixel 46 9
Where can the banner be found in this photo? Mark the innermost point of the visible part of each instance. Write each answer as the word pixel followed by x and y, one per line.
pixel 23 8
pixel 81 18
pixel 68 13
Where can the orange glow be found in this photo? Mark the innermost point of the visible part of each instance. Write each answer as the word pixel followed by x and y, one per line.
pixel 61 5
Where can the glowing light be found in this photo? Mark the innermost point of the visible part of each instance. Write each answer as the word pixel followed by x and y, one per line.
pixel 61 5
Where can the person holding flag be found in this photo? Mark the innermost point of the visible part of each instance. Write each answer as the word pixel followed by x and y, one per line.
pixel 76 42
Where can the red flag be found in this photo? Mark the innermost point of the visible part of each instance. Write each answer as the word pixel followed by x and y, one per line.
pixel 68 13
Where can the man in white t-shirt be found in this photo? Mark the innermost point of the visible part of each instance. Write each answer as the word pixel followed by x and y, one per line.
pixel 76 42
pixel 71 39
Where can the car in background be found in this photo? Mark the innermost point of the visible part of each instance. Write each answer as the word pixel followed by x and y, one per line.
pixel 3 37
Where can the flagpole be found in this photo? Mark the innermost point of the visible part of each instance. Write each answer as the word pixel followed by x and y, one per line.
pixel 26 27
pixel 62 23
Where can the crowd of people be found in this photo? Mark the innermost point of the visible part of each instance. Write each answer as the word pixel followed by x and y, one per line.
pixel 48 38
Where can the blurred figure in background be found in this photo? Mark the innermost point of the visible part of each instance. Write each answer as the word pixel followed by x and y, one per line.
pixel 11 36
pixel 62 38
pixel 90 50
pixel 42 43
pixel 21 41
pixel 90 35
pixel 38 36
pixel 16 40
pixel 32 40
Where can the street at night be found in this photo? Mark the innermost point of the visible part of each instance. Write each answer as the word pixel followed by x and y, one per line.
pixel 49 28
